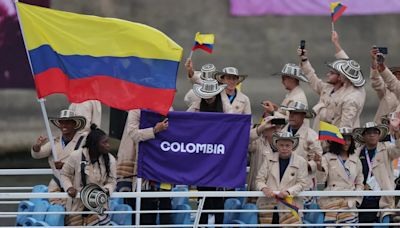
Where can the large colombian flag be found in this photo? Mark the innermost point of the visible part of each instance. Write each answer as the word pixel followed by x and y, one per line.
pixel 123 64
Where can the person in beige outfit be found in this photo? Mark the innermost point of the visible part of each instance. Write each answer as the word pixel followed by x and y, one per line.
pixel 91 110
pixel 91 164
pixel 259 147
pixel 376 159
pixel 342 97
pixel 291 77
pixel 127 162
pixel 388 101
pixel 342 171
pixel 282 175
pixel 309 145
pixel 70 139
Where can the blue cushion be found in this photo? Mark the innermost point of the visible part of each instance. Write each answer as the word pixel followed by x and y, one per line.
pixel 24 206
pixel 182 218
pixel 249 217
pixel 122 219
pixel 231 204
pixel 40 206
pixel 55 219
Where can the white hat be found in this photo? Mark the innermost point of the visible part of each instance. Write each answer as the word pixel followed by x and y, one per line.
pixel 358 133
pixel 208 71
pixel 298 106
pixel 208 88
pixel 284 136
pixel 346 131
pixel 350 69
pixel 80 121
pixel 230 71
pixel 293 71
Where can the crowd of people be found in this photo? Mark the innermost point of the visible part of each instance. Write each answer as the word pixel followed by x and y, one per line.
pixel 285 155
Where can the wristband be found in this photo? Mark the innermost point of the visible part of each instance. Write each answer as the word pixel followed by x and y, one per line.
pixel 304 60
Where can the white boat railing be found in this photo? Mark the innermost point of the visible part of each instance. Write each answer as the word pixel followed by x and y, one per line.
pixel 14 197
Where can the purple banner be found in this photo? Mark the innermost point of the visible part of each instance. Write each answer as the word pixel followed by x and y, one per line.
pixel 311 7
pixel 198 148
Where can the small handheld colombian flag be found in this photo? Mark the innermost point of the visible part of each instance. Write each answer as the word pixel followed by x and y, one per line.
pixel 204 42
pixel 288 202
pixel 337 9
pixel 330 132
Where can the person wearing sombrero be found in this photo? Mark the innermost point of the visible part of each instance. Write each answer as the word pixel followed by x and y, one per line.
pixel 259 146
pixel 69 140
pixel 209 94
pixel 196 77
pixel 342 96
pixel 341 171
pixel 233 100
pixel 282 175
pixel 376 159
pixel 291 76
pixel 308 145
pixel 388 101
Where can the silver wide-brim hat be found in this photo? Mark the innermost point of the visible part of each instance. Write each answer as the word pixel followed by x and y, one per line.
pixel 385 119
pixel 358 132
pixel 294 71
pixel 80 121
pixel 394 69
pixel 208 88
pixel 284 136
pixel 208 71
pixel 346 131
pixel 230 71
pixel 350 69
pixel 298 106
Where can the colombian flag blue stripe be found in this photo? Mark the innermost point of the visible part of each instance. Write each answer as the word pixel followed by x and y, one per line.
pixel 154 73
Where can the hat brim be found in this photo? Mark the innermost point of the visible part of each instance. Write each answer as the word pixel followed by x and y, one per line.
pixel 394 69
pixel 357 80
pixel 301 77
pixel 309 113
pixel 358 133
pixel 219 75
pixel 198 92
pixel 80 121
pixel 294 139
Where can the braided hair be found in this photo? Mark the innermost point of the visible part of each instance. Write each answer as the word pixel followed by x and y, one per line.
pixel 92 143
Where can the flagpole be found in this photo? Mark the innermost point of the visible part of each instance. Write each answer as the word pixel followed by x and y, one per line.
pixel 138 200
pixel 333 26
pixel 41 100
pixel 191 54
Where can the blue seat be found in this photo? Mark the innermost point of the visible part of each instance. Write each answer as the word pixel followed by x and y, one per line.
pixel 38 188
pixel 112 204
pixel 29 221
pixel 313 217
pixel 231 204
pixel 24 206
pixel 385 219
pixel 182 218
pixel 122 219
pixel 40 206
pixel 241 199
pixel 55 219
pixel 247 217
pixel 175 201
pixel 40 223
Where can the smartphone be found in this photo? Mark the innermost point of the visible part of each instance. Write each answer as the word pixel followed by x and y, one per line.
pixel 278 121
pixel 302 44
pixel 380 59
pixel 383 50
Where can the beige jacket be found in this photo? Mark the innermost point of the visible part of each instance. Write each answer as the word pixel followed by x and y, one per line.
pixel 241 103
pixel 297 94
pixel 388 100
pixel 95 173
pixel 91 110
pixel 128 148
pixel 308 145
pixel 258 150
pixel 61 153
pixel 337 179
pixel 190 97
pixel 341 108
pixel 294 180
pixel 382 169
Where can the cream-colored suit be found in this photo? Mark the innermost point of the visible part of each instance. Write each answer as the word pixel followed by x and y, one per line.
pixel 95 173
pixel 91 110
pixel 294 181
pixel 388 101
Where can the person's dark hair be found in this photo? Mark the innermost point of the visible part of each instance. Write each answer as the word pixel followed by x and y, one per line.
pixel 92 143
pixel 336 148
pixel 215 107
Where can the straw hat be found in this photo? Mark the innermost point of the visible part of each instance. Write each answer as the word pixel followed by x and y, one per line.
pixel 294 71
pixel 208 71
pixel 80 121
pixel 208 88
pixel 230 71
pixel 350 69
pixel 298 106
pixel 358 133
pixel 284 136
